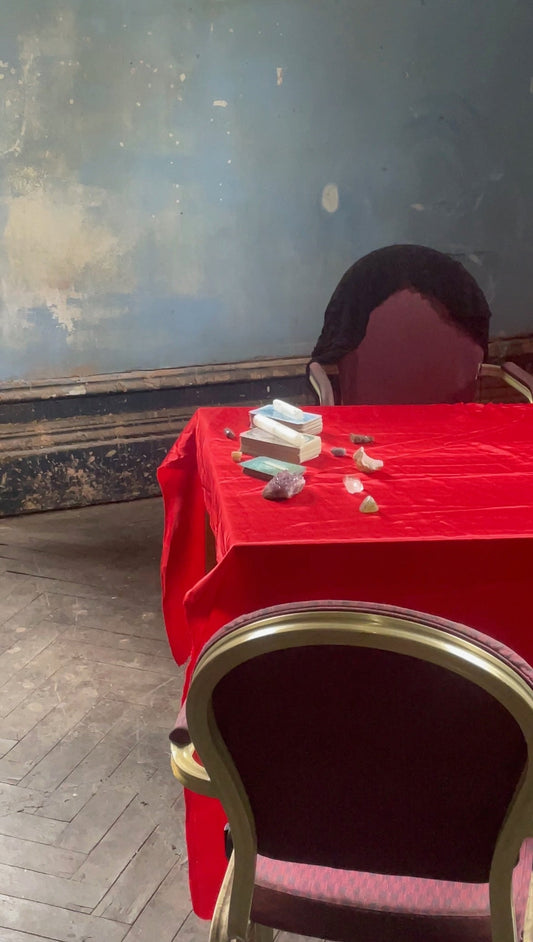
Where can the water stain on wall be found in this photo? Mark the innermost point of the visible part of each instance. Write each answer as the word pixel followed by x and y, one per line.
pixel 164 168
pixel 56 254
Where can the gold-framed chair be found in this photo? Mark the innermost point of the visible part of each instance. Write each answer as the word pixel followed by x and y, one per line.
pixel 375 767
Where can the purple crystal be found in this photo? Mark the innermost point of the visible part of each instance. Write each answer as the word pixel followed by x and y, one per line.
pixel 229 433
pixel 283 485
pixel 338 452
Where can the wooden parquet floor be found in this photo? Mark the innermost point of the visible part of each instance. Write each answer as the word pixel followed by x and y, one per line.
pixel 91 820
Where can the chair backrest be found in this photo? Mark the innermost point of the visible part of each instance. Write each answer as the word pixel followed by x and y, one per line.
pixel 405 324
pixel 369 738
pixel 412 352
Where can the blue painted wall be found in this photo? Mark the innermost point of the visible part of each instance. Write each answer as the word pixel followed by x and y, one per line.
pixel 185 182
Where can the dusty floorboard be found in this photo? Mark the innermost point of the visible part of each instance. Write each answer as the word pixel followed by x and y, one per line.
pixel 91 820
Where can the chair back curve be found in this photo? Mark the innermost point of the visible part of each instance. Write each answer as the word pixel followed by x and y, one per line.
pixel 406 324
pixel 367 738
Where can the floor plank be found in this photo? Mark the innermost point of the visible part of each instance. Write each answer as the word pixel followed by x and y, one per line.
pixel 165 912
pixel 121 842
pixel 13 935
pixel 17 691
pixel 75 746
pixel 99 636
pixel 29 827
pixel 40 857
pixel 47 888
pixel 139 880
pixel 96 817
pixel 75 694
pixel 65 802
pixel 59 924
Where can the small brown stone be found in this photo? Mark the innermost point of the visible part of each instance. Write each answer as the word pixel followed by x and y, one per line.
pixel 361 439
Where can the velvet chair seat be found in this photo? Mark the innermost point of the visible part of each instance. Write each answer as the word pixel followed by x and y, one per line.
pixel 345 905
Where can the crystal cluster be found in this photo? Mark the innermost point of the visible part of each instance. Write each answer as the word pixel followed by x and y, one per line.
pixel 283 485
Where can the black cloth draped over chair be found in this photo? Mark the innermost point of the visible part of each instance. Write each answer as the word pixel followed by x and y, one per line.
pixel 380 274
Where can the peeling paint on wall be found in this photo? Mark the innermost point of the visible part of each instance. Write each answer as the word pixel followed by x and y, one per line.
pixel 162 184
pixel 330 198
pixel 56 253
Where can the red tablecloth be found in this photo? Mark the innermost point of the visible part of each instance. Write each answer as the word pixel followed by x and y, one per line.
pixel 454 537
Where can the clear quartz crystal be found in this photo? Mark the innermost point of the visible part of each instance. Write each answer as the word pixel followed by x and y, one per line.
pixel 353 485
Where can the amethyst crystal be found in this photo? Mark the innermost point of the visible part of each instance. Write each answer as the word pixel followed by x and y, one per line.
pixel 283 485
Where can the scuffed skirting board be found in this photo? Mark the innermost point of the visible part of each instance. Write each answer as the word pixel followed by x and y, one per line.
pixel 87 440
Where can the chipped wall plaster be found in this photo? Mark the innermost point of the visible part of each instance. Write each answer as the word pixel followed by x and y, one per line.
pixel 166 171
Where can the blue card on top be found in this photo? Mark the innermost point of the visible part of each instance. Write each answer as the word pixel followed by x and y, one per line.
pixel 266 468
pixel 271 413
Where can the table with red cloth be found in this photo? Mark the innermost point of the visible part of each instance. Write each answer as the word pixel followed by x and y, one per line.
pixel 453 537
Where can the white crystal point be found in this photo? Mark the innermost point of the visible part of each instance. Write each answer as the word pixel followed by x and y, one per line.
pixel 365 463
pixel 352 485
pixel 278 430
pixel 288 410
pixel 368 506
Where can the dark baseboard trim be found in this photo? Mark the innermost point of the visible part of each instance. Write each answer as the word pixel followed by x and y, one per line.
pixel 76 441
pixel 88 440
pixel 213 374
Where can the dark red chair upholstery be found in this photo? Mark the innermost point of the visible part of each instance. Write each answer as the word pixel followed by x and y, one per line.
pixel 373 763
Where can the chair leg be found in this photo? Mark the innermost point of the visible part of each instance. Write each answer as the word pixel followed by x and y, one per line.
pixel 259 933
pixel 219 923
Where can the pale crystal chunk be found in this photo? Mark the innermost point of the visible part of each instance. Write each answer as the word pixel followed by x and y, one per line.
pixel 368 506
pixel 352 485
pixel 365 463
